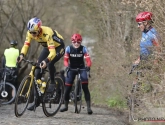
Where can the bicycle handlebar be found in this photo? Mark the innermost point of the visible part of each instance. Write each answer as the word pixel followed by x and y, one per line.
pixel 78 70
pixel 35 64
pixel 134 66
pixel 31 62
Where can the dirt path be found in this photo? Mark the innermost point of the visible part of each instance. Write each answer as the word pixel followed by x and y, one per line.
pixel 101 116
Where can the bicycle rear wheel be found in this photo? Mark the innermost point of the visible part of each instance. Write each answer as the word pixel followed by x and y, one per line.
pixel 78 97
pixel 7 93
pixel 23 96
pixel 52 102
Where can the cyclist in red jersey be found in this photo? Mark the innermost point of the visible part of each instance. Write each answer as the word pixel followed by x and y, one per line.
pixel 74 58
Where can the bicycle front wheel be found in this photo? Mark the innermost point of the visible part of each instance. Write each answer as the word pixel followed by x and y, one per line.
pixel 78 97
pixel 136 105
pixel 23 96
pixel 52 102
pixel 7 93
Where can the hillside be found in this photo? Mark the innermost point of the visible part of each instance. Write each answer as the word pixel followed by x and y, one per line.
pixel 109 31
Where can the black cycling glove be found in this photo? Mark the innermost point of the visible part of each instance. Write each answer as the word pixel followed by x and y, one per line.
pixel 88 68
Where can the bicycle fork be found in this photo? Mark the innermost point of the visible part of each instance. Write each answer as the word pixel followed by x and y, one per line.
pixel 4 93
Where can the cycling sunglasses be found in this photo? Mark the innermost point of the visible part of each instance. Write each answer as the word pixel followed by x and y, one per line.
pixel 140 23
pixel 76 42
pixel 33 33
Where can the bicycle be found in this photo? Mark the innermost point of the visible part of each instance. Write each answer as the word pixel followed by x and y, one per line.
pixel 7 89
pixel 137 95
pixel 50 103
pixel 76 93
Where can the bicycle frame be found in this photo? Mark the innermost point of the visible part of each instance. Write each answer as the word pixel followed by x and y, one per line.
pixel 77 89
pixel 135 82
pixel 4 82
pixel 4 78
pixel 78 73
pixel 33 80
pixel 133 98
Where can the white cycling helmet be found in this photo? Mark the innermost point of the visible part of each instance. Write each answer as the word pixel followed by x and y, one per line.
pixel 34 24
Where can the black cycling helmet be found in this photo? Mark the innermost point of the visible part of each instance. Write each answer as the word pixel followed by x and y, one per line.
pixel 13 43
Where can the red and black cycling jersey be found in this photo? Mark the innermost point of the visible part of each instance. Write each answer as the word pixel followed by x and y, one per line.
pixel 74 57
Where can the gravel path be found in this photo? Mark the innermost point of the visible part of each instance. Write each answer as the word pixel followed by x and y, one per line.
pixel 101 116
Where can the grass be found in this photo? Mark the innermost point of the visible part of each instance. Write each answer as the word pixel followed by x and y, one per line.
pixel 117 102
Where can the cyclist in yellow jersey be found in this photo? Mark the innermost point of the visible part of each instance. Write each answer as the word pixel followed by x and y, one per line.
pixel 53 48
pixel 10 63
pixel 11 55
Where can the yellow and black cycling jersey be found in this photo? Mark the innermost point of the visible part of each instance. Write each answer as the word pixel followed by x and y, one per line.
pixel 47 38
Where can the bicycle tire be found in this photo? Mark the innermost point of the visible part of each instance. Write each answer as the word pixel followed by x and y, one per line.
pixel 135 104
pixel 7 97
pixel 52 104
pixel 78 97
pixel 23 96
pixel 132 116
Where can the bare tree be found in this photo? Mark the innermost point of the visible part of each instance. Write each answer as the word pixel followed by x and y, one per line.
pixel 15 15
pixel 13 20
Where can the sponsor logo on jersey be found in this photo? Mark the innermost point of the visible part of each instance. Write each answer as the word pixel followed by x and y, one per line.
pixel 76 55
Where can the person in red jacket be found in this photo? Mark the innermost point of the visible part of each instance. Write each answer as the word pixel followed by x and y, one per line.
pixel 74 58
